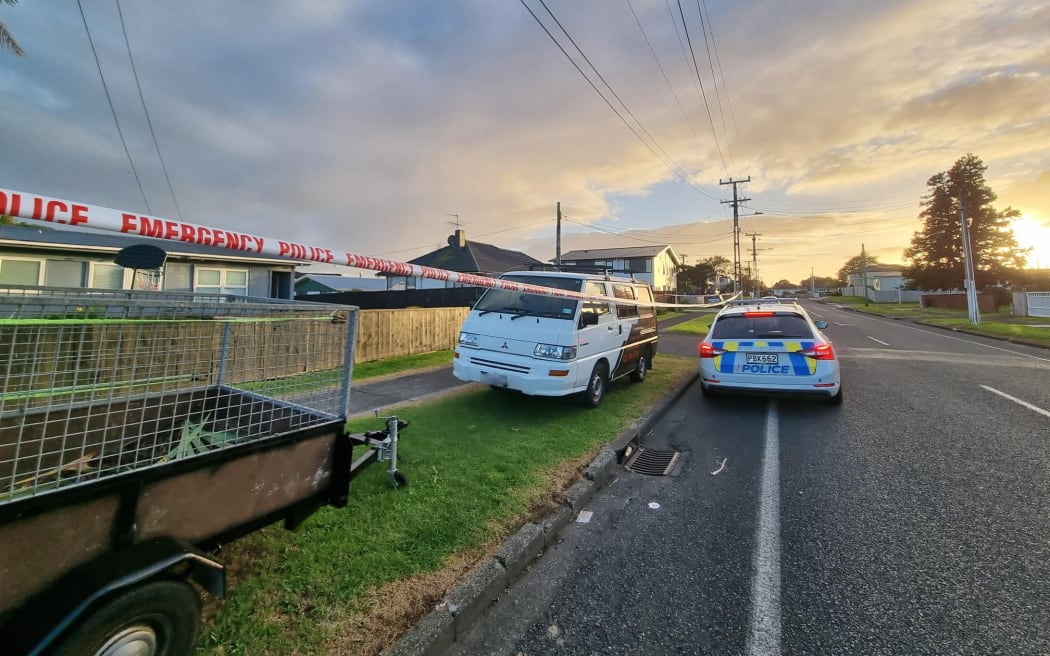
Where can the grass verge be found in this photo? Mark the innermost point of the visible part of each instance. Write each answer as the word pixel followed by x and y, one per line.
pixel 1001 324
pixel 389 366
pixel 698 326
pixel 479 465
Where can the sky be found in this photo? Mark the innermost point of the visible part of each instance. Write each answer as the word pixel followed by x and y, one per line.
pixel 377 127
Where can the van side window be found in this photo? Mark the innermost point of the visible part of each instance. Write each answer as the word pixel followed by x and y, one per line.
pixel 595 307
pixel 625 292
pixel 645 294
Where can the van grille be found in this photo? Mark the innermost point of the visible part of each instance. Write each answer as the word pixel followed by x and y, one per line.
pixel 502 366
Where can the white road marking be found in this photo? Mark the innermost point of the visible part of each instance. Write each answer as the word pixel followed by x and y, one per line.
pixel 764 637
pixel 720 467
pixel 815 314
pixel 843 324
pixel 1017 401
pixel 877 340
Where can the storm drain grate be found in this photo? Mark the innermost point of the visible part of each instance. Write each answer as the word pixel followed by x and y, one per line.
pixel 652 462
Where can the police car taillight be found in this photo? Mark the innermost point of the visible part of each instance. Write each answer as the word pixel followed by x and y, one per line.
pixel 707 350
pixel 820 352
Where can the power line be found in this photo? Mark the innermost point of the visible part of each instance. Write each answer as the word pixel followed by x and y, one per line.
pixel 721 71
pixel 714 80
pixel 710 119
pixel 145 111
pixel 112 110
pixel 666 160
pixel 667 81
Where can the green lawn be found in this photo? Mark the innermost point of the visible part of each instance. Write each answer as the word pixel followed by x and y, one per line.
pixel 697 326
pixel 478 465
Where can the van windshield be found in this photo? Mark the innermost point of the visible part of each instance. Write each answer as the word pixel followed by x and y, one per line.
pixel 521 304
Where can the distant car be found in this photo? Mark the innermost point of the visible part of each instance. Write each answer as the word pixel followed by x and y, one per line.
pixel 711 299
pixel 769 348
pixel 775 298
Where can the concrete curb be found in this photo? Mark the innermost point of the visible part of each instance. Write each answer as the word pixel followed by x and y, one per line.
pixel 468 600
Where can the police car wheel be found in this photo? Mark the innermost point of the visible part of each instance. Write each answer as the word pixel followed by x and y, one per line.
pixel 837 399
pixel 596 386
pixel 706 392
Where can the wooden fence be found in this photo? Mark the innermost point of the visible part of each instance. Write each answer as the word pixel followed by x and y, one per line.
pixel 385 334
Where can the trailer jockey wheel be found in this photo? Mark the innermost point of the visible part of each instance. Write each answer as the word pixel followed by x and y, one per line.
pixel 160 618
pixel 397 479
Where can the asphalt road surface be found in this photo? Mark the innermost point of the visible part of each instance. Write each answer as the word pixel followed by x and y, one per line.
pixel 914 519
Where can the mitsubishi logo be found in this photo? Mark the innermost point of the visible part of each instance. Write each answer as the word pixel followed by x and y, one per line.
pixel 504 346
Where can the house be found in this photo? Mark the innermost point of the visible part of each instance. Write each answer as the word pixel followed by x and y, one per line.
pixel 35 256
pixel 464 256
pixel 880 278
pixel 326 283
pixel 656 265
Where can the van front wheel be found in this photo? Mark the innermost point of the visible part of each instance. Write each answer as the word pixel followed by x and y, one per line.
pixel 596 386
pixel 642 368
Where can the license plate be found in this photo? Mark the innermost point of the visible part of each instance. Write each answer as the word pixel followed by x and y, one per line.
pixel 763 358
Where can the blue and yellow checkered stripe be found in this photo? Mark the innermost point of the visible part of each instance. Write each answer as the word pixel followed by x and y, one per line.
pixel 800 364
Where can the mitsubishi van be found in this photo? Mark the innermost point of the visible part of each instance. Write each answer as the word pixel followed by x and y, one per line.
pixel 554 346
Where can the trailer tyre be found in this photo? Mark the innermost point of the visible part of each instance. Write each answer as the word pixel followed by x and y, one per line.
pixel 160 618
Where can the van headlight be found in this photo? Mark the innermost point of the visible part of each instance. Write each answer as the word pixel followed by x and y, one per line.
pixel 468 339
pixel 555 352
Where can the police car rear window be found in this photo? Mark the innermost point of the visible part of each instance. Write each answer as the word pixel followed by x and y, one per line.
pixel 739 326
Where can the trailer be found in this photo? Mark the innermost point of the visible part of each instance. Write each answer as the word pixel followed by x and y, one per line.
pixel 139 431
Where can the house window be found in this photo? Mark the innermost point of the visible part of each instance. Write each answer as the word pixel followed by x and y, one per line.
pixel 104 275
pixel 222 281
pixel 64 273
pixel 20 272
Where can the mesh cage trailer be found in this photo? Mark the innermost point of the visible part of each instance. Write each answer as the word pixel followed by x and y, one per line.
pixel 138 431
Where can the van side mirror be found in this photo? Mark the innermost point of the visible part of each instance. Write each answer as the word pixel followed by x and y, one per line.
pixel 821 324
pixel 588 319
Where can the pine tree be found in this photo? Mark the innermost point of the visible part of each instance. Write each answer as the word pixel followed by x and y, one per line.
pixel 936 251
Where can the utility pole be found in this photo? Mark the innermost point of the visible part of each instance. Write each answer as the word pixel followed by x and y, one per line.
pixel 557 240
pixel 812 284
pixel 736 227
pixel 754 262
pixel 969 282
pixel 864 265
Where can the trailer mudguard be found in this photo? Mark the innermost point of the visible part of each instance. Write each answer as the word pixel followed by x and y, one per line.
pixel 40 623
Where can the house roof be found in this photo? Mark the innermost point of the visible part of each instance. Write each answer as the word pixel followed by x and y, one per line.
pixel 476 257
pixel 618 253
pixel 340 283
pixel 33 237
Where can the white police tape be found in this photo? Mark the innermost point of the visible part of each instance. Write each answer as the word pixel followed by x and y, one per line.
pixel 54 210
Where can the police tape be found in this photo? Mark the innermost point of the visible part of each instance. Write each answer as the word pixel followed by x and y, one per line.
pixel 63 212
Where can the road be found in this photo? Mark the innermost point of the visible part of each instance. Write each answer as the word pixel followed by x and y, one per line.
pixel 914 519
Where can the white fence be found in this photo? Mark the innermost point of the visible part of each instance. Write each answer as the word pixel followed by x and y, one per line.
pixel 1032 304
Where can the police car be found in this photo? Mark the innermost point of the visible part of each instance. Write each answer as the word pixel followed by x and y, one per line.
pixel 769 347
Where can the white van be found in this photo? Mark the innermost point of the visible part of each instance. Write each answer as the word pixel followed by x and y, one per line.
pixel 550 346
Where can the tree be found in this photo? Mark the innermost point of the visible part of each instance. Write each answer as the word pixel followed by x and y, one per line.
pixel 784 283
pixel 704 274
pixel 856 264
pixel 821 282
pixel 7 40
pixel 936 250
